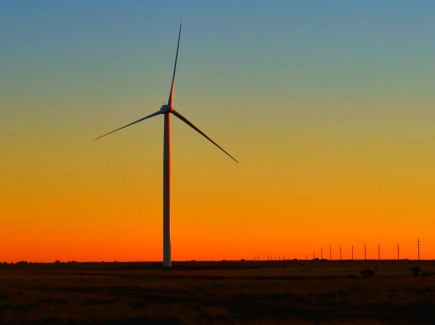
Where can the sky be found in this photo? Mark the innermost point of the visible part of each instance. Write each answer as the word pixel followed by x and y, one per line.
pixel 327 105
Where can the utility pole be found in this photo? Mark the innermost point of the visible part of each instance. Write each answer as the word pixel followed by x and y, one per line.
pixel 379 252
pixel 365 252
pixel 340 253
pixel 306 257
pixel 398 252
pixel 352 252
pixel 418 248
pixel 330 253
pixel 321 252
pixel 314 255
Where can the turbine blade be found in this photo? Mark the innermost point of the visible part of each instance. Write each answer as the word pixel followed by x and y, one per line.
pixel 144 118
pixel 175 68
pixel 185 120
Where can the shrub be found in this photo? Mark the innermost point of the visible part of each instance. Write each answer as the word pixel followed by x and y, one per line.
pixel 367 273
pixel 415 270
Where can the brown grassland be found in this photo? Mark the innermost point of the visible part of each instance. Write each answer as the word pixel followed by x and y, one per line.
pixel 236 292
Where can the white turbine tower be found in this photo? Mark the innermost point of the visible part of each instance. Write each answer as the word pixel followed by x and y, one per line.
pixel 167 110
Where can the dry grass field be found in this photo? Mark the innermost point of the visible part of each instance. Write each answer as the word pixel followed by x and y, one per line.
pixel 275 292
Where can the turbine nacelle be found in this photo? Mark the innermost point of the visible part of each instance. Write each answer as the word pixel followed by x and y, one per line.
pixel 166 109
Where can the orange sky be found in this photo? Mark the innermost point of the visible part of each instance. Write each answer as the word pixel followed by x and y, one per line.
pixel 297 187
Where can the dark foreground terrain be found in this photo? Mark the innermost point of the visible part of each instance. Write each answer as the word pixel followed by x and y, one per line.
pixel 277 292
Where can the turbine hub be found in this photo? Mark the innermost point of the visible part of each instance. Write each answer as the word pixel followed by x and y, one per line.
pixel 166 109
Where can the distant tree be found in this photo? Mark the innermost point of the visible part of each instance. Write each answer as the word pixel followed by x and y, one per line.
pixel 57 262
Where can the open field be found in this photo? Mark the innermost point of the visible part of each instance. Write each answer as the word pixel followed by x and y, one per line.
pixel 296 292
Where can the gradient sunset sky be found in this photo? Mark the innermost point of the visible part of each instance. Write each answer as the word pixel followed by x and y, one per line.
pixel 328 105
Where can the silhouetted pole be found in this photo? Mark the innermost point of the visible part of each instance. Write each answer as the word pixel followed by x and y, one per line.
pixel 314 255
pixel 330 253
pixel 365 252
pixel 379 252
pixel 321 252
pixel 340 253
pixel 398 252
pixel 352 252
pixel 418 248
pixel 306 257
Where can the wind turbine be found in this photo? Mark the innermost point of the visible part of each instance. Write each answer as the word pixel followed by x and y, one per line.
pixel 167 110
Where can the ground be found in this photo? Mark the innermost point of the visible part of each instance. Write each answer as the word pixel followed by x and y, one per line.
pixel 240 292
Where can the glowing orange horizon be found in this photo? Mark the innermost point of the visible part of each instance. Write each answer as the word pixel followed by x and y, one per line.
pixel 64 198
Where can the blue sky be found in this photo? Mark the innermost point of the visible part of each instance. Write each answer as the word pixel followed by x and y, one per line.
pixel 119 48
